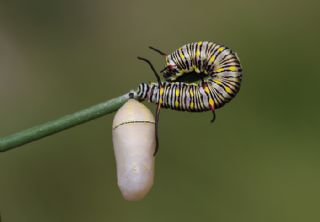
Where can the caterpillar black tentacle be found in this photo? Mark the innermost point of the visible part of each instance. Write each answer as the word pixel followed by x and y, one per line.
pixel 158 51
pixel 200 76
pixel 158 104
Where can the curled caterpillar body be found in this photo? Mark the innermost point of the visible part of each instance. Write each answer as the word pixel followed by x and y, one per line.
pixel 199 77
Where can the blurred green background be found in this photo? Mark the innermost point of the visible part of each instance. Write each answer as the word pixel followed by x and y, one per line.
pixel 259 162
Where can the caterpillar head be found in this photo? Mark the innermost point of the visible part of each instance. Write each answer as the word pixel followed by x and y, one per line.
pixel 171 68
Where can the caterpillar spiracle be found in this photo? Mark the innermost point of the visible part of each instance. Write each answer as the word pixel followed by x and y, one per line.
pixel 199 76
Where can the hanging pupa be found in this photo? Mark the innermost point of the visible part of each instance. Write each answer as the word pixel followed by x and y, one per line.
pixel 134 142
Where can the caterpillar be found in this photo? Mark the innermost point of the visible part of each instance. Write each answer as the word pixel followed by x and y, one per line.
pixel 200 76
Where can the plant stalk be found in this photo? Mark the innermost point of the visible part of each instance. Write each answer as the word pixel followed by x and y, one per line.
pixel 46 129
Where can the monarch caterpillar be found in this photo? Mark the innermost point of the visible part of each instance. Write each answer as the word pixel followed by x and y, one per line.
pixel 199 76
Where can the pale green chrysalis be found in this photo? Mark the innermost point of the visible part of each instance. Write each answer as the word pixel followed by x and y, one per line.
pixel 134 142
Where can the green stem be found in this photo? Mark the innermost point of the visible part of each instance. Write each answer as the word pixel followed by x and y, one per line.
pixel 62 123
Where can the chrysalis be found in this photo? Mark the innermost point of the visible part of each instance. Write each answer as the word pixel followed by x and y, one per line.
pixel 134 144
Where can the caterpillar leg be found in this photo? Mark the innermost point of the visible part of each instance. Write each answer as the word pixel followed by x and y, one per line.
pixel 158 104
pixel 158 51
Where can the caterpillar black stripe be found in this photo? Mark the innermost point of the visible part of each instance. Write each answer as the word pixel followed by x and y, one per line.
pixel 199 76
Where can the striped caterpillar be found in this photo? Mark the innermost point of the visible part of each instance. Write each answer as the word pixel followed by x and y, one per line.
pixel 200 76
